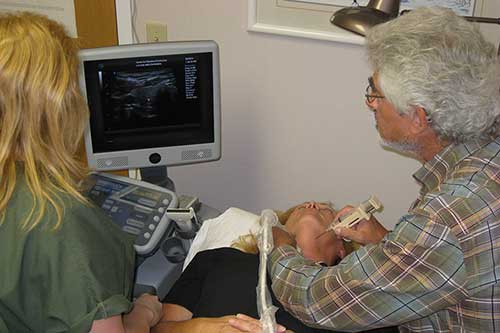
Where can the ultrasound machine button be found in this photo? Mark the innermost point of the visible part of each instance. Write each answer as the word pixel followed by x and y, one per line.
pixel 147 235
pixel 165 201
pixel 156 219
pixel 106 207
pixel 114 209
pixel 161 210
pixel 146 202
pixel 140 216
pixel 142 210
pixel 152 227
pixel 135 223
pixel 131 230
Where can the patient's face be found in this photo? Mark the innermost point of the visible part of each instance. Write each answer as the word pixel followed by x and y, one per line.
pixel 306 223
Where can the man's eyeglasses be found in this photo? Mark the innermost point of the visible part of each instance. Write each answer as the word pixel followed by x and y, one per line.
pixel 371 92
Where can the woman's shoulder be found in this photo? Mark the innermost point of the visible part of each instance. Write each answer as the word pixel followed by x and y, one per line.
pixel 83 225
pixel 86 264
pixel 23 203
pixel 87 222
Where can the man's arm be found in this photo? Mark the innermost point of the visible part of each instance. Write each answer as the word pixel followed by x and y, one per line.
pixel 416 270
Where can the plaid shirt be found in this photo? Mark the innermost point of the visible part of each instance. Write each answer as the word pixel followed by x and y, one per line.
pixel 437 271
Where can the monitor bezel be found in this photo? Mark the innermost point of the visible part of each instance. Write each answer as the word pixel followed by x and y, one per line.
pixel 169 156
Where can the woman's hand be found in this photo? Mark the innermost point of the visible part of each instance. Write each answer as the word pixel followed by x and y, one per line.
pixel 227 324
pixel 365 232
pixel 197 325
pixel 150 306
pixel 248 324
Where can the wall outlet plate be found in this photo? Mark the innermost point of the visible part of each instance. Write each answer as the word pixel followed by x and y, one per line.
pixel 156 32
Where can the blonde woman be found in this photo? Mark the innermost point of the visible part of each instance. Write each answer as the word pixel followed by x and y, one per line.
pixel 219 284
pixel 304 227
pixel 65 266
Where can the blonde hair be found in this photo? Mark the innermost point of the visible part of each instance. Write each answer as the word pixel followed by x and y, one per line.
pixel 42 114
pixel 248 243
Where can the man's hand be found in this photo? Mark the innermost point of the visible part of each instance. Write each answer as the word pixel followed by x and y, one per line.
pixel 281 237
pixel 365 232
pixel 248 324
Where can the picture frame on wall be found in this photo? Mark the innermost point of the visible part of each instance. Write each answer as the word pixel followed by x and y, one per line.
pixel 311 18
pixel 461 7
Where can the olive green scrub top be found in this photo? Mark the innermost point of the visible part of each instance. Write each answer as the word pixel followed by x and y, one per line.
pixel 61 281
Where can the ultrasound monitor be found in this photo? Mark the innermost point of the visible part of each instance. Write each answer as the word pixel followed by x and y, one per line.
pixel 152 104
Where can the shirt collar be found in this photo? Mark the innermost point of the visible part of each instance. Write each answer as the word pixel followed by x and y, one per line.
pixel 434 171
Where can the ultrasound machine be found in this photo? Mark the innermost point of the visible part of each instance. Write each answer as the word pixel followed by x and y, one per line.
pixel 151 106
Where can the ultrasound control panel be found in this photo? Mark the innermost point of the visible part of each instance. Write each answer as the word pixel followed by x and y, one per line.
pixel 139 208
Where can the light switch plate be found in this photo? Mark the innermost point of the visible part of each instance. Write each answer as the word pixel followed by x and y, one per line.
pixel 156 32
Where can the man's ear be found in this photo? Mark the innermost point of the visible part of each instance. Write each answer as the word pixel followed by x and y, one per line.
pixel 419 120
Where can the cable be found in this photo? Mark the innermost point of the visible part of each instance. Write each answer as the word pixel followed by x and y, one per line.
pixel 135 36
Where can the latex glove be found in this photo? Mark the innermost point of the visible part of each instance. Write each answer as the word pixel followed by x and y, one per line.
pixel 245 323
pixel 151 303
pixel 365 232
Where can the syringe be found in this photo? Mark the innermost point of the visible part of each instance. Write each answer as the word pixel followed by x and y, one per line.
pixel 363 212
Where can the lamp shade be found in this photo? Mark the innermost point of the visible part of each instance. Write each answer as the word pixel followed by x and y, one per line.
pixel 359 19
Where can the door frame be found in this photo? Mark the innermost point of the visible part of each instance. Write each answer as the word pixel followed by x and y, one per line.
pixel 124 21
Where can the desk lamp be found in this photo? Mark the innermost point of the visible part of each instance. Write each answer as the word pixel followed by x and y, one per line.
pixel 359 19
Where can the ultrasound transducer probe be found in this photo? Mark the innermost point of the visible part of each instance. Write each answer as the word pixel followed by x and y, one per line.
pixel 363 212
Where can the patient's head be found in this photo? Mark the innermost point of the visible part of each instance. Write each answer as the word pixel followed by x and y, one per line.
pixel 306 222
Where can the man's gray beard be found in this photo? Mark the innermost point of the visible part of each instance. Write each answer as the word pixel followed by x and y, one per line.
pixel 409 149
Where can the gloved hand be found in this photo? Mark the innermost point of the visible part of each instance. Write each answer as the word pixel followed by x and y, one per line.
pixel 365 232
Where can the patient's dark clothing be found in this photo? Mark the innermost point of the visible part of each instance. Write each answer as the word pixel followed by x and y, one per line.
pixel 223 282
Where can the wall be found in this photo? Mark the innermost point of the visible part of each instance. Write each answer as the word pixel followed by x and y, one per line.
pixel 294 123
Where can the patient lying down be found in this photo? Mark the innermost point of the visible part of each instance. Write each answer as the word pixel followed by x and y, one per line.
pixel 219 283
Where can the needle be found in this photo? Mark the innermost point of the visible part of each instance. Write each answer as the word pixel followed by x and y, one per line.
pixel 362 212
pixel 330 228
pixel 324 233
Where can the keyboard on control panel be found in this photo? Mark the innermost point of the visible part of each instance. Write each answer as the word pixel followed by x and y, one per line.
pixel 137 207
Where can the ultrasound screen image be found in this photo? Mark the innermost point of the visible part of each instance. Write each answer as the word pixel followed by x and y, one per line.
pixel 144 97
pixel 150 101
